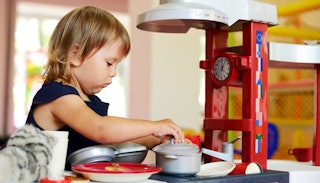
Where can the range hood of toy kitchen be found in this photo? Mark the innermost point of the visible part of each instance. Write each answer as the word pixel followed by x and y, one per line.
pixel 178 16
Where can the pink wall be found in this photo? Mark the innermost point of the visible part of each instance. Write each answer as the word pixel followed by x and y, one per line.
pixel 113 5
pixel 7 18
pixel 140 65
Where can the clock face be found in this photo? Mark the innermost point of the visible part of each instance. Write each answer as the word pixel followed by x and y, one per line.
pixel 222 68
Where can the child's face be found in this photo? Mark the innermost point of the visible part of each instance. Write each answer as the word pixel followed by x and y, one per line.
pixel 96 72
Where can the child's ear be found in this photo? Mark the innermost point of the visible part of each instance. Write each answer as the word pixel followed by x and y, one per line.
pixel 73 55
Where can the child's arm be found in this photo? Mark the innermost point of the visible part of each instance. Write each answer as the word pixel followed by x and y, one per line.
pixel 71 110
pixel 150 141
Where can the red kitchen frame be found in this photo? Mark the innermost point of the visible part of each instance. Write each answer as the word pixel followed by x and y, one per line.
pixel 253 68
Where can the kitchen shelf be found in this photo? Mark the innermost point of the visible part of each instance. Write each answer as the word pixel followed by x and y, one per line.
pixel 296 86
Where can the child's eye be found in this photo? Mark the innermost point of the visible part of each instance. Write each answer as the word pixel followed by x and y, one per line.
pixel 109 64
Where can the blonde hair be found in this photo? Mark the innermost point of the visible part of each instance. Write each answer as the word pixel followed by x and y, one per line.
pixel 90 28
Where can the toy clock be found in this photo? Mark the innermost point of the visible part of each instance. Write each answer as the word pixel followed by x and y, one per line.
pixel 221 69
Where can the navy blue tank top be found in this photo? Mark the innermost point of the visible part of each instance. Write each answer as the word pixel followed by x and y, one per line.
pixel 53 90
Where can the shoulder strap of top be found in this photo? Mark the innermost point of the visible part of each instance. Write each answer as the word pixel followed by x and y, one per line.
pixel 51 91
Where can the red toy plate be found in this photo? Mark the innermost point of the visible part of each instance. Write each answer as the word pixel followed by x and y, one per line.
pixel 116 172
pixel 107 167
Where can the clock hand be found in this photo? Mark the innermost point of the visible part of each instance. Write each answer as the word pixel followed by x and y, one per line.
pixel 223 62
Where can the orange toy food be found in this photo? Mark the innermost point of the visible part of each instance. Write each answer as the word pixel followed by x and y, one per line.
pixel 116 168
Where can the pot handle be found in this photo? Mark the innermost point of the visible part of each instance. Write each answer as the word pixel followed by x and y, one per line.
pixel 170 156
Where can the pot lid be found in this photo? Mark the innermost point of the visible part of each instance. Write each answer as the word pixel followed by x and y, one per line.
pixel 176 149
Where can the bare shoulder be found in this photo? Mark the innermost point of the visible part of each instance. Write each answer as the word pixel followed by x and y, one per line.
pixel 47 115
pixel 73 111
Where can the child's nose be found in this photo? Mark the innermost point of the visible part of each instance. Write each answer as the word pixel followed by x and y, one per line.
pixel 113 72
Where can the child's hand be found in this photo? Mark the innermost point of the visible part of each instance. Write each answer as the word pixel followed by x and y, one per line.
pixel 166 128
pixel 187 141
pixel 167 140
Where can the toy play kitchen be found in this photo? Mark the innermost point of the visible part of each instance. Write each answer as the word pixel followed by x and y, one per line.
pixel 244 66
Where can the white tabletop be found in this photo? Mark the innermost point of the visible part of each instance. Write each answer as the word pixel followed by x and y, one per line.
pixel 298 171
